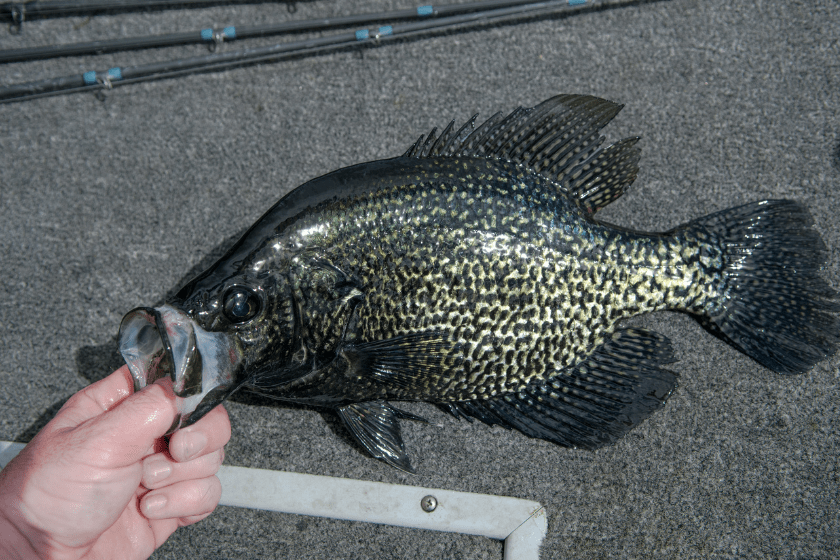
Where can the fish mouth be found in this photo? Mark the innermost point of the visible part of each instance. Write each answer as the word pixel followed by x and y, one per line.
pixel 164 345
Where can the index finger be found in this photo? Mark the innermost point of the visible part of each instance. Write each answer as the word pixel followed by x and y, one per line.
pixel 209 434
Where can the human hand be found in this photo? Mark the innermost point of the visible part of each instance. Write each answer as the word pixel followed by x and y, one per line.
pixel 100 481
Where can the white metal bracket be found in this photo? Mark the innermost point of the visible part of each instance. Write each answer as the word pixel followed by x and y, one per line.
pixel 521 524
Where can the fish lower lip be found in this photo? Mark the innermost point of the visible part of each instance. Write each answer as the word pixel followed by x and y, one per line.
pixel 148 356
pixel 165 345
pixel 159 343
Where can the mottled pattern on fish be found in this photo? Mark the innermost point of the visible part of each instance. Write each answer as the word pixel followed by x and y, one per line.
pixel 471 272
pixel 498 261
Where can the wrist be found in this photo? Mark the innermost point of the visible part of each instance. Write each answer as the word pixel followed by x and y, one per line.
pixel 13 543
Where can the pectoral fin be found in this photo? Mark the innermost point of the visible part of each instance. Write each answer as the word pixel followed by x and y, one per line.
pixel 402 361
pixel 376 426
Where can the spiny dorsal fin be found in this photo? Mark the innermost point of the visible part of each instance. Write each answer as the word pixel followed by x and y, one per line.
pixel 559 138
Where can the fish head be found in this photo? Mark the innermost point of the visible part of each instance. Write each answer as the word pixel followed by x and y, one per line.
pixel 237 323
pixel 209 340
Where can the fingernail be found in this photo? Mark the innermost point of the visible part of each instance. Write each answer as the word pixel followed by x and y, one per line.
pixel 153 504
pixel 156 469
pixel 193 444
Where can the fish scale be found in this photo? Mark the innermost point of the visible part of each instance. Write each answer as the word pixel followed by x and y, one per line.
pixel 546 286
pixel 472 272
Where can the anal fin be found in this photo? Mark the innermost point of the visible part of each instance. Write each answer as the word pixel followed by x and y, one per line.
pixel 375 425
pixel 592 404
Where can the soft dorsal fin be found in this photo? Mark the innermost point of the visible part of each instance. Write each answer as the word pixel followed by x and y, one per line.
pixel 559 138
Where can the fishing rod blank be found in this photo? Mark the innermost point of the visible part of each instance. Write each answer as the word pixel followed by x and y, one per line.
pixel 18 12
pixel 212 36
pixel 117 76
pixel 130 74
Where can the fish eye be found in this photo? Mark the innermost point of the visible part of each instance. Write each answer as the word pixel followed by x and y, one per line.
pixel 241 304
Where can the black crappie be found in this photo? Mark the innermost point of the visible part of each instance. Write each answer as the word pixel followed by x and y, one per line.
pixel 471 273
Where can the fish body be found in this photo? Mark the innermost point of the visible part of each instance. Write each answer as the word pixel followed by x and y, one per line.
pixel 471 272
pixel 489 275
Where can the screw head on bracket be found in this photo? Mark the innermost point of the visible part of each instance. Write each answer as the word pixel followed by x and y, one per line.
pixel 428 503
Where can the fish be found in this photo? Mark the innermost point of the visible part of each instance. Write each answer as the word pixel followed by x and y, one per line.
pixel 472 273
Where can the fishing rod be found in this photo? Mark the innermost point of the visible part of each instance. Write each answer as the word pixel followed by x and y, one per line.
pixel 113 77
pixel 18 12
pixel 213 37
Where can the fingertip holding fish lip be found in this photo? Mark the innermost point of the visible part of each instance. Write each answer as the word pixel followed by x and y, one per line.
pixel 165 346
pixel 192 445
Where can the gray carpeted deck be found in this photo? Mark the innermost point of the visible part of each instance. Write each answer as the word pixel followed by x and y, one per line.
pixel 108 205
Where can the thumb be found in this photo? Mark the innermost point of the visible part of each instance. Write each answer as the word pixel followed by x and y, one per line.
pixel 94 399
pixel 125 432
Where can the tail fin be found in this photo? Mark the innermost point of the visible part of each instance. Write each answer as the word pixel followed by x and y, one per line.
pixel 775 306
